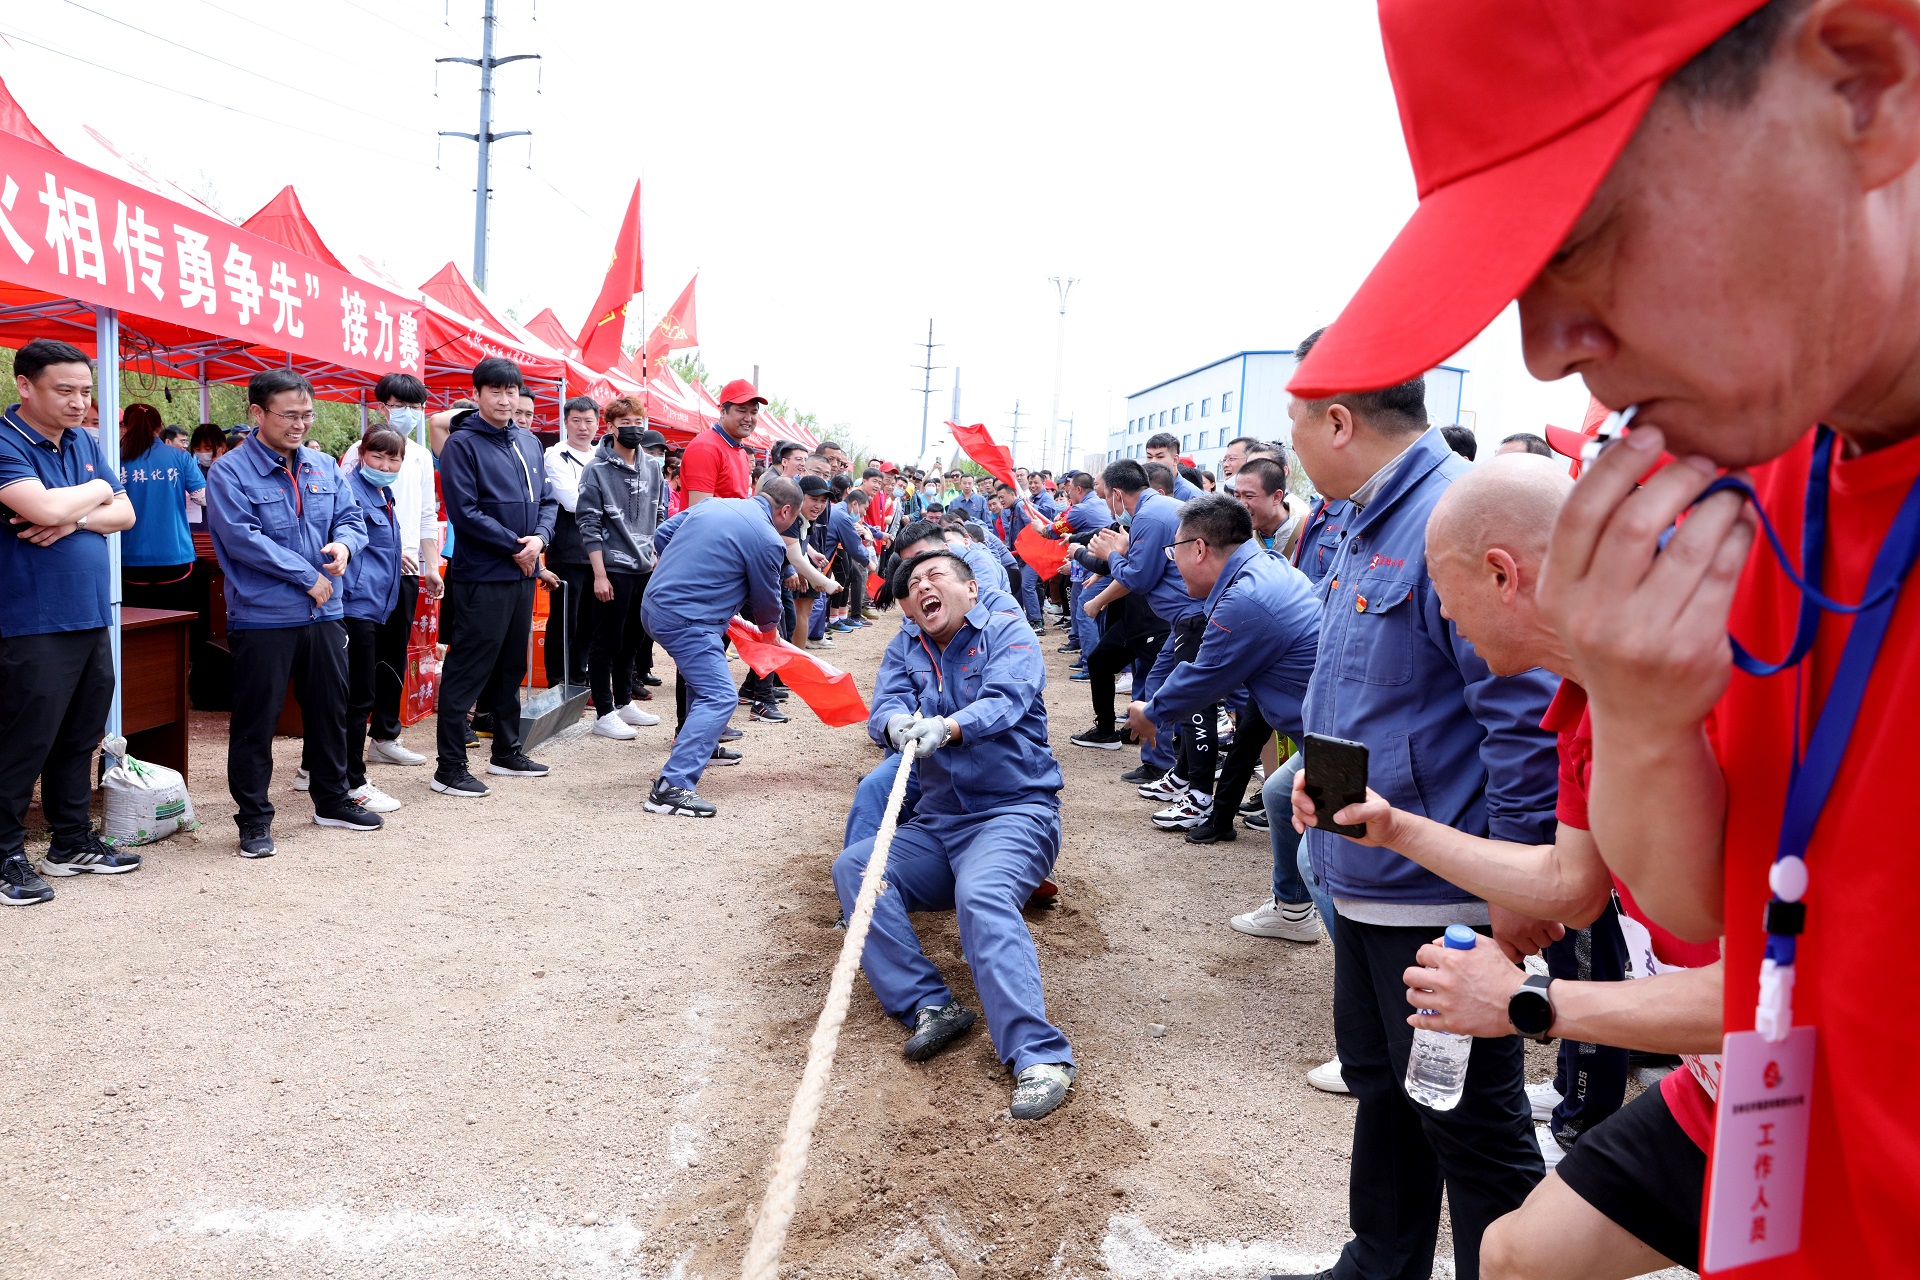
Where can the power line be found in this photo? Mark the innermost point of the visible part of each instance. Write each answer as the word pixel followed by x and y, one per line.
pixel 564 196
pixel 429 41
pixel 258 75
pixel 167 88
pixel 291 39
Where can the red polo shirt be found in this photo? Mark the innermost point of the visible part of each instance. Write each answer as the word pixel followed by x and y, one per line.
pixel 1863 1172
pixel 715 463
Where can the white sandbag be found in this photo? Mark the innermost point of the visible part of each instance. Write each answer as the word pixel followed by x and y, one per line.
pixel 145 802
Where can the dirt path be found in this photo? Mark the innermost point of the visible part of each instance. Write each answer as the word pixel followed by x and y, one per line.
pixel 548 1034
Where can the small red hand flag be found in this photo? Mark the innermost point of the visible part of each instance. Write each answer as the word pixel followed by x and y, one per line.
pixel 830 691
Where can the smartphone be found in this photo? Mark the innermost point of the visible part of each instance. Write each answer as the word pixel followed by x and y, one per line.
pixel 1336 776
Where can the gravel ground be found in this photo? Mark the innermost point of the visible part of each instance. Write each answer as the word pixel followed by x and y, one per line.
pixel 549 1034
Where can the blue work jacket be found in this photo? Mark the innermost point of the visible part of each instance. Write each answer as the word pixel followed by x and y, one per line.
pixel 975 505
pixel 1000 552
pixel 717 559
pixel 268 525
pixel 1263 629
pixel 372 581
pixel 1084 516
pixel 843 537
pixel 1185 490
pixel 985 567
pixel 494 482
pixel 1043 503
pixel 1143 568
pixel 988 679
pixel 1446 738
pixel 1320 541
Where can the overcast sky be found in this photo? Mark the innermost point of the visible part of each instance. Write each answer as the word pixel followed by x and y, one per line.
pixel 1218 177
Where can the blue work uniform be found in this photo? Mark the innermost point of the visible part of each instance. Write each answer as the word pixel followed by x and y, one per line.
pixel 840 543
pixel 1088 515
pixel 371 584
pixel 268 520
pixel 974 504
pixel 985 830
pixel 1319 544
pixel 1144 570
pixel 717 559
pixel 158 482
pixel 1016 519
pixel 1185 490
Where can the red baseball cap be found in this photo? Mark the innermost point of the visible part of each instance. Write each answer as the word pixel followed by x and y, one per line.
pixel 1513 111
pixel 740 391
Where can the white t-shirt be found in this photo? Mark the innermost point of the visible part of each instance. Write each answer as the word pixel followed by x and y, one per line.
pixel 565 465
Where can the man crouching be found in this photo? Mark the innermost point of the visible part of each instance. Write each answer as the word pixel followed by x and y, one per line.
pixel 961 688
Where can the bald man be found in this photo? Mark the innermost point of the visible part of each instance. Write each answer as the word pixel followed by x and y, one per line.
pixel 1626 1199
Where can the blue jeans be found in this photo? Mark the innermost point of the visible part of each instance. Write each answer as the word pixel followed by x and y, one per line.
pixel 1292 882
pixel 983 867
pixel 701 661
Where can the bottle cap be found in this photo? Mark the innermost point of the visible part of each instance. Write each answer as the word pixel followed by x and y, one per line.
pixel 1461 937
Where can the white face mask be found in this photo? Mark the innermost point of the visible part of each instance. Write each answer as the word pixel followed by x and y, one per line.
pixel 204 457
pixel 406 420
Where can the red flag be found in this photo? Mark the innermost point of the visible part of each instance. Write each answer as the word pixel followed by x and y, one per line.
pixel 1045 554
pixel 981 448
pixel 830 691
pixel 675 330
pixel 873 586
pixel 607 323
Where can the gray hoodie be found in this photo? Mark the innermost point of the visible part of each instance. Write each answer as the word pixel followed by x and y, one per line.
pixel 620 506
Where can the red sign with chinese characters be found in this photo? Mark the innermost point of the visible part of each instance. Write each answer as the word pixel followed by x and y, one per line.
pixel 73 232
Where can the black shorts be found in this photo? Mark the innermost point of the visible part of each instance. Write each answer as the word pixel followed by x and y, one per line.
pixel 1639 1168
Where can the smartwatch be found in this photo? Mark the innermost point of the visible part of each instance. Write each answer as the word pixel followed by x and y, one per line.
pixel 1530 1009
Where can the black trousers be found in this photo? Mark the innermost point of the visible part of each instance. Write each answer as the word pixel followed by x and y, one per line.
pixel 617 633
pixel 55 690
pixel 1251 733
pixel 486 661
pixel 363 660
pixel 1483 1151
pixel 571 619
pixel 1592 1078
pixel 1118 649
pixel 314 658
pixel 390 641
pixel 1199 754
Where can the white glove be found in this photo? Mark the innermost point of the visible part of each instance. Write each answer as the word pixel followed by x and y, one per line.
pixel 929 734
pixel 900 730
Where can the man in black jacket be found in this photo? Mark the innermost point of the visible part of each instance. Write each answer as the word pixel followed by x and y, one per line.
pixel 502 509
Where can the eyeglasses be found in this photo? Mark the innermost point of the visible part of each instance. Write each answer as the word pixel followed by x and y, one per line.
pixel 1183 542
pixel 306 419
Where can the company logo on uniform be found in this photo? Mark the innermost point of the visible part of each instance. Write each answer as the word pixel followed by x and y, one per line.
pixel 1384 562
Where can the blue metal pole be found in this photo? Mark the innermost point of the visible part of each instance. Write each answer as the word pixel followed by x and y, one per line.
pixel 107 399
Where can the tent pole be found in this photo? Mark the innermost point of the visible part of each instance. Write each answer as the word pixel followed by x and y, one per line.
pixel 206 395
pixel 107 397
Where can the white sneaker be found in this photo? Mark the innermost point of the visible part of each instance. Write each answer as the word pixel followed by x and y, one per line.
pixel 1543 1097
pixel 1327 1078
pixel 302 780
pixel 373 799
pixel 611 725
pixel 1223 727
pixel 1276 919
pixel 632 714
pixel 1184 814
pixel 1550 1149
pixel 1123 683
pixel 379 752
pixel 1170 788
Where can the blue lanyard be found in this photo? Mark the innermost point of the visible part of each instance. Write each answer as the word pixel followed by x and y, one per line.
pixel 1811 778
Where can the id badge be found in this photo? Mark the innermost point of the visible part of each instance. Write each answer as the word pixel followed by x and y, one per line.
pixel 1759 1150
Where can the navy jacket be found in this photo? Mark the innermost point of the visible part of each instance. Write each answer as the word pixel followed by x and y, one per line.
pixel 494 482
pixel 717 559
pixel 1263 629
pixel 989 680
pixel 371 583
pixel 1446 738
pixel 268 525
pixel 1143 568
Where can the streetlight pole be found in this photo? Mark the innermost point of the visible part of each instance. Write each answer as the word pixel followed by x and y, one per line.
pixel 1059 359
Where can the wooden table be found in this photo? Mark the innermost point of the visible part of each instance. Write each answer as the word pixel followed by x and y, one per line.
pixel 153 685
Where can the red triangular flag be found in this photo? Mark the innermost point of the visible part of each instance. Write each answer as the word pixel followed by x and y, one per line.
pixel 873 586
pixel 981 448
pixel 675 330
pixel 607 323
pixel 1045 555
pixel 829 691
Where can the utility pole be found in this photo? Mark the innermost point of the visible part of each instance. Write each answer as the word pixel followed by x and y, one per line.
pixel 956 395
pixel 485 138
pixel 1014 446
pixel 1059 358
pixel 926 387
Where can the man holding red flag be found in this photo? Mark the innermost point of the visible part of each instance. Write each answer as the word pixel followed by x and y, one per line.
pixel 606 325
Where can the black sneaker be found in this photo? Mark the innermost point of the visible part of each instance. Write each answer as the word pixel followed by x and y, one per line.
pixel 256 840
pixel 731 734
pixel 350 816
pixel 1213 831
pixel 462 784
pixel 517 766
pixel 473 739
pixel 89 856
pixel 1255 821
pixel 482 724
pixel 768 712
pixel 934 1028
pixel 19 885
pixel 722 755
pixel 781 693
pixel 678 801
pixel 1098 738
pixel 1256 805
pixel 650 680
pixel 1144 774
pixel 1068 647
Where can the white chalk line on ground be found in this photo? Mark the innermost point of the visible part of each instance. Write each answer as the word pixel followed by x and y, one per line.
pixel 1132 1251
pixel 348 1232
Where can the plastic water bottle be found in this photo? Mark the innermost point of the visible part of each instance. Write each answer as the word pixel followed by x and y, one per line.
pixel 1437 1068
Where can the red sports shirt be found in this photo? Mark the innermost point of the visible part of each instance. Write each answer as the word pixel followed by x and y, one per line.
pixel 714 464
pixel 1863 1173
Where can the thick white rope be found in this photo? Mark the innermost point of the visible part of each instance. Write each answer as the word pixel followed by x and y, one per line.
pixel 777 1205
